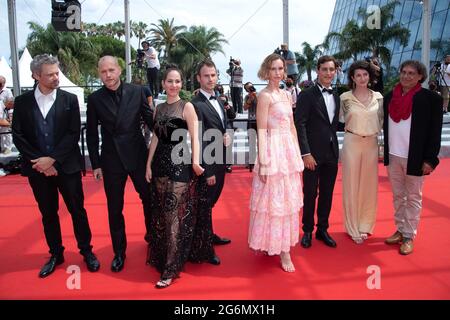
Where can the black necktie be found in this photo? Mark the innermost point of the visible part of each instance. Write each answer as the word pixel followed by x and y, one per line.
pixel 212 98
pixel 330 91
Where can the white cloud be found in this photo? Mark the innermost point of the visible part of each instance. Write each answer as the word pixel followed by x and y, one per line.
pixel 249 40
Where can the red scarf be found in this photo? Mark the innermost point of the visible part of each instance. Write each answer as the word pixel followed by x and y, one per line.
pixel 400 106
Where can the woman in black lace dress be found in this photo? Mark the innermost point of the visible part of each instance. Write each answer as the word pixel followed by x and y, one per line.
pixel 172 171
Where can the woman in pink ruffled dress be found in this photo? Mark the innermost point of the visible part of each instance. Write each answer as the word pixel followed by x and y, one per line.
pixel 276 197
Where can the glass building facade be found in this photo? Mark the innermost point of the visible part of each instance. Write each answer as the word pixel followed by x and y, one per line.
pixel 409 14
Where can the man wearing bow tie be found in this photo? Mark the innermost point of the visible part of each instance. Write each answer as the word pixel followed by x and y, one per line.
pixel 213 122
pixel 316 120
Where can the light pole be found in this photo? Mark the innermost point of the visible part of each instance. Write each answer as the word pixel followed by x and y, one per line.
pixel 127 41
pixel 426 41
pixel 13 43
pixel 286 22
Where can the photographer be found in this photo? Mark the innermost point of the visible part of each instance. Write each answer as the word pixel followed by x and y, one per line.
pixel 442 76
pixel 289 57
pixel 236 73
pixel 377 83
pixel 6 108
pixel 151 58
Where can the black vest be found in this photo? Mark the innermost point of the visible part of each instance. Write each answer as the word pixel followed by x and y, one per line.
pixel 45 129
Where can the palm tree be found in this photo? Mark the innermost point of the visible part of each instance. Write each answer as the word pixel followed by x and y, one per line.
pixel 165 36
pixel 350 41
pixel 355 39
pixel 194 45
pixel 377 39
pixel 307 60
pixel 139 30
pixel 76 53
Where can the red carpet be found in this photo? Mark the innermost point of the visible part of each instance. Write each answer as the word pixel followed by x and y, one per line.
pixel 322 272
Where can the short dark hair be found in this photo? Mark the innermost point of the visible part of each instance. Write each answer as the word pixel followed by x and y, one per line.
pixel 361 64
pixel 324 59
pixel 205 62
pixel 145 42
pixel 419 66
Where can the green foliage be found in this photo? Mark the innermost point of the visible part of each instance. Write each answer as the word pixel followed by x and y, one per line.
pixel 79 52
pixel 186 95
pixel 390 84
pixel 355 39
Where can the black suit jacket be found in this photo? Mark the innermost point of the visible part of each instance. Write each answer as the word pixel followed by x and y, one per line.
pixel 314 130
pixel 209 119
pixel 425 134
pixel 66 136
pixel 123 144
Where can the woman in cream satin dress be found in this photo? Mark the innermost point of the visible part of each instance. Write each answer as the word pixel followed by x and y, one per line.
pixel 362 113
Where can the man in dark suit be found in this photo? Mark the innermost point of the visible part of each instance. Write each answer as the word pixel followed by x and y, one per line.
pixel 316 120
pixel 214 122
pixel 46 130
pixel 118 108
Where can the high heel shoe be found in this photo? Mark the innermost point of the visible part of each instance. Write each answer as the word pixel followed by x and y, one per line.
pixel 163 283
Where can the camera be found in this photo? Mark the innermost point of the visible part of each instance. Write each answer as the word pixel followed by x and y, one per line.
pixel 232 63
pixel 281 52
pixel 140 58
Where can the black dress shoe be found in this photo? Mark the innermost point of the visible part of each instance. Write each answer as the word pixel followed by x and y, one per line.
pixel 92 262
pixel 220 241
pixel 214 260
pixel 306 240
pixel 50 266
pixel 326 238
pixel 118 263
pixel 229 169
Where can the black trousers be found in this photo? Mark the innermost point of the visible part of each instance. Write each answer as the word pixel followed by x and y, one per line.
pixel 319 182
pixel 212 194
pixel 214 191
pixel 114 183
pixel 236 99
pixel 45 190
pixel 152 78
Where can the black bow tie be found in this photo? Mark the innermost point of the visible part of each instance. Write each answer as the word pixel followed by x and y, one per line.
pixel 330 91
pixel 212 98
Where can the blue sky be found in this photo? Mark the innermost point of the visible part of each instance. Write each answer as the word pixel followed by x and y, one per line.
pixel 253 28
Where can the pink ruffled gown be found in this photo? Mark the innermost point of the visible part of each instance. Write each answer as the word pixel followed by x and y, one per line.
pixel 275 205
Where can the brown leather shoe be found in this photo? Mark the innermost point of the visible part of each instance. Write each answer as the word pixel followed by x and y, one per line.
pixel 395 238
pixel 407 247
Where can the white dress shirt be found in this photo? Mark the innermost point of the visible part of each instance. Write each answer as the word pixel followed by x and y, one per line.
pixel 214 103
pixel 329 102
pixel 45 102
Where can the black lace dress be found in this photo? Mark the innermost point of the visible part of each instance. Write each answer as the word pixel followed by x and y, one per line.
pixel 174 197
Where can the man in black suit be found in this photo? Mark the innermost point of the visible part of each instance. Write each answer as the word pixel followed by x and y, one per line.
pixel 46 130
pixel 118 108
pixel 316 120
pixel 213 121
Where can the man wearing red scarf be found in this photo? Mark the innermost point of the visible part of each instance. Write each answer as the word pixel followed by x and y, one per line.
pixel 412 139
